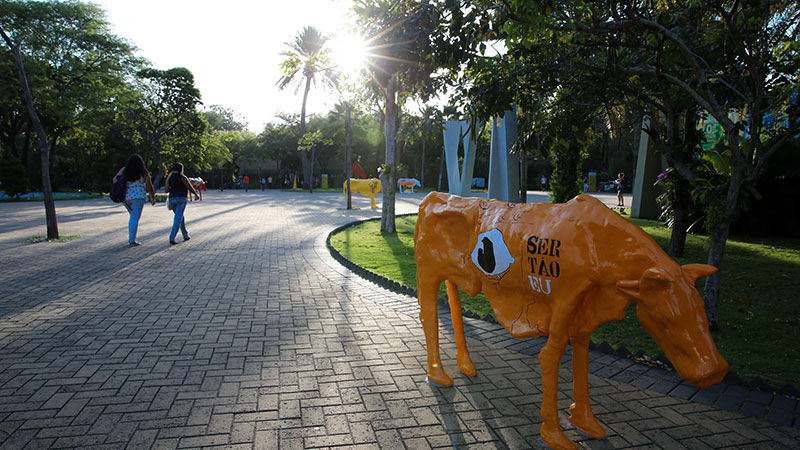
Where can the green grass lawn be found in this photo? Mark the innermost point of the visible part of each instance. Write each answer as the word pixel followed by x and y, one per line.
pixel 759 314
pixel 60 197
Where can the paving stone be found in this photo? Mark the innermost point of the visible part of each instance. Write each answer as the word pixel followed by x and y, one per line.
pixel 753 409
pixel 780 416
pixel 729 402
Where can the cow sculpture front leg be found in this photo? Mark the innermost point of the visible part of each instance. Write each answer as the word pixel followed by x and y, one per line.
pixel 464 361
pixel 428 292
pixel 581 411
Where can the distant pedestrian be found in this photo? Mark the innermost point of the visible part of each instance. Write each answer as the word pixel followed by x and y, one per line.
pixel 269 182
pixel 620 182
pixel 544 183
pixel 138 187
pixel 246 182
pixel 263 183
pixel 178 187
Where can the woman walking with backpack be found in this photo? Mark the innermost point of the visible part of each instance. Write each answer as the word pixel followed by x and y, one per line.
pixel 137 188
pixel 178 187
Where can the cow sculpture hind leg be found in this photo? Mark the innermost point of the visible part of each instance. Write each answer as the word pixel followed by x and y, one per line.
pixel 549 360
pixel 464 361
pixel 581 411
pixel 428 292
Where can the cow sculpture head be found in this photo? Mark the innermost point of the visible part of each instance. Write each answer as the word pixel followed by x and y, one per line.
pixel 671 310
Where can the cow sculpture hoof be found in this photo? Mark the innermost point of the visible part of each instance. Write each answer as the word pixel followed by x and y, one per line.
pixel 585 421
pixel 437 376
pixel 554 438
pixel 466 366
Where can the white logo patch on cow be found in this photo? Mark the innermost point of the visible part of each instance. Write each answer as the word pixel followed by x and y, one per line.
pixel 491 253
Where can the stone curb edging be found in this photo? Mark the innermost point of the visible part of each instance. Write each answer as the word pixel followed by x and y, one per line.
pixel 780 406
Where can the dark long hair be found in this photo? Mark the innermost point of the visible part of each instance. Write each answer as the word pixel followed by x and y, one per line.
pixel 178 167
pixel 134 168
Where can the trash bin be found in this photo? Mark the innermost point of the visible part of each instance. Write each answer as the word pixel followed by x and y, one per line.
pixel 324 180
pixel 592 181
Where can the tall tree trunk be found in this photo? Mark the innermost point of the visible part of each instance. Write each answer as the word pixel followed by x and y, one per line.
pixel 304 156
pixel 311 183
pixel 26 145
pixel 49 199
pixel 348 163
pixel 523 177
pixel 383 135
pixel 680 221
pixel 44 146
pixel 161 172
pixel 716 251
pixel 719 236
pixel 388 176
pixel 422 166
pixel 162 169
pixel 441 171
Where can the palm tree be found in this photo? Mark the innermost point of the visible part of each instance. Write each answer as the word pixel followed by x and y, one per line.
pixel 306 63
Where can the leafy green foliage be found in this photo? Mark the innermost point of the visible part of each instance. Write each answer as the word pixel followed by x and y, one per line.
pixel 567 181
pixel 12 176
pixel 311 140
pixel 76 68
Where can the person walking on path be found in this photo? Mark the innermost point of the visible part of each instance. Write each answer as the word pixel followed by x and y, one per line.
pixel 544 183
pixel 178 187
pixel 246 182
pixel 620 182
pixel 138 187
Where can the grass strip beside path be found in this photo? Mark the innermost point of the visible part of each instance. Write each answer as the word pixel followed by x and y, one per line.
pixel 759 311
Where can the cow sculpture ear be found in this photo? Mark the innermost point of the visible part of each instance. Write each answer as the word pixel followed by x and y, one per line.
pixel 657 274
pixel 630 287
pixel 694 271
pixel 652 278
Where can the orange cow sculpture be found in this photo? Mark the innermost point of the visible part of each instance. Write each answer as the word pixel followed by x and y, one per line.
pixel 558 271
pixel 367 188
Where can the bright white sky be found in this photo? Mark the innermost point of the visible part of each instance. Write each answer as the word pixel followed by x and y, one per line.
pixel 232 47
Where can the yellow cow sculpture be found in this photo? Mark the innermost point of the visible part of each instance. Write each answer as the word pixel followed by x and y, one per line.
pixel 367 188
pixel 558 271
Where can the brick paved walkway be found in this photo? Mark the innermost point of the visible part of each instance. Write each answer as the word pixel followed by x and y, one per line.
pixel 251 336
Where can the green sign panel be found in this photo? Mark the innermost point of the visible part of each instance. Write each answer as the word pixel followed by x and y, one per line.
pixel 712 131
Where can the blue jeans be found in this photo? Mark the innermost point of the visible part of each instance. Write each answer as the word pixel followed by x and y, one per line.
pixel 178 206
pixel 134 208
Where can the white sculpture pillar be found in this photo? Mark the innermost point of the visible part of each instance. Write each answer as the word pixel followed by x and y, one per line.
pixel 503 165
pixel 648 165
pixel 459 183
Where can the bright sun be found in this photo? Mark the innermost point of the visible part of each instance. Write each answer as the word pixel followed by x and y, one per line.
pixel 349 53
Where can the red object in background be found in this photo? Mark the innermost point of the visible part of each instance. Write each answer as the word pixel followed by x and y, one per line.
pixel 357 170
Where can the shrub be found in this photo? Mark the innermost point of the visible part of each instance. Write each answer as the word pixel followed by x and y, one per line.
pixel 12 175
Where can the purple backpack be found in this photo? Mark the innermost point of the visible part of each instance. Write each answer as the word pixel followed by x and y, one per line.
pixel 118 187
